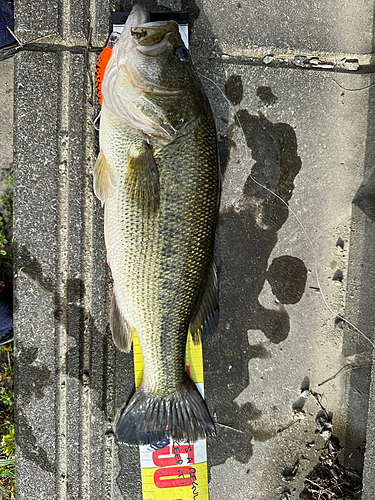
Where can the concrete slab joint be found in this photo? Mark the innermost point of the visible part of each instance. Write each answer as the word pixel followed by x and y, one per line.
pixel 288 123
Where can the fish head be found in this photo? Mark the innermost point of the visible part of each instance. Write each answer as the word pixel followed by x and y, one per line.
pixel 150 81
pixel 159 62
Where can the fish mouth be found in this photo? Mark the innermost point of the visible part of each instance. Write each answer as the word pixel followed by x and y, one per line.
pixel 131 78
pixel 149 39
pixel 153 39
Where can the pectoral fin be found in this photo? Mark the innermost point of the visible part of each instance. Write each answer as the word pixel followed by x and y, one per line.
pixel 142 178
pixel 206 317
pixel 122 332
pixel 103 183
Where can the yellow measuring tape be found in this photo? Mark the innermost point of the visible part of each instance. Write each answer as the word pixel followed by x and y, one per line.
pixel 170 470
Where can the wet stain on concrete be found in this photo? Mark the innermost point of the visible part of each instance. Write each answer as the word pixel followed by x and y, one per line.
pixel 225 144
pixel 266 95
pixel 29 265
pixel 233 433
pixel 262 434
pixel 234 89
pixel 27 443
pixel 287 276
pixel 247 236
pixel 248 232
pixel 258 351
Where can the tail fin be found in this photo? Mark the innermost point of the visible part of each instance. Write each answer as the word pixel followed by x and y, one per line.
pixel 181 416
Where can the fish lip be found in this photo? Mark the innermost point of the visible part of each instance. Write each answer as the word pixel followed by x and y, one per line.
pixel 137 16
pixel 154 38
pixel 142 31
pixel 132 27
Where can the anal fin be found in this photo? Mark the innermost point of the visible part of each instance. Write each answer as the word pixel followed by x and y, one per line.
pixel 142 178
pixel 122 332
pixel 206 317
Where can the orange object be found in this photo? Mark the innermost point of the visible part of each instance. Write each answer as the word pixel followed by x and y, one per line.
pixel 101 64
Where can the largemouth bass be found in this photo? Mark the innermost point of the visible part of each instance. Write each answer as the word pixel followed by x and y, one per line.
pixel 157 175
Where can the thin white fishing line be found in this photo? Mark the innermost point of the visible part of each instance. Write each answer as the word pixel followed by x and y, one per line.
pixel 96 120
pixel 295 216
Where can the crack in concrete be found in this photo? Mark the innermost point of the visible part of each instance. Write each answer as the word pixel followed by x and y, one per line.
pixel 330 63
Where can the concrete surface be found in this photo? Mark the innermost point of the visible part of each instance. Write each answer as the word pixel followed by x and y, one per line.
pixel 6 131
pixel 368 470
pixel 243 27
pixel 265 368
pixel 309 141
pixel 72 23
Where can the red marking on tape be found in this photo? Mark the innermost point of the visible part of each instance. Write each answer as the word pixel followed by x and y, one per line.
pixel 166 458
pixel 175 477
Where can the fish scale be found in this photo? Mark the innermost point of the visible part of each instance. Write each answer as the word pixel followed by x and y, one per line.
pixel 147 242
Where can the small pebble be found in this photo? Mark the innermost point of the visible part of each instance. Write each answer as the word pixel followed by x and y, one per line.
pixel 268 59
pixel 299 60
pixel 285 495
pixel 350 64
pixel 340 243
pixel 338 275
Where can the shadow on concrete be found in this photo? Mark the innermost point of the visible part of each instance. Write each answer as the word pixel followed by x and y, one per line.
pixel 361 296
pixel 247 236
pixel 360 299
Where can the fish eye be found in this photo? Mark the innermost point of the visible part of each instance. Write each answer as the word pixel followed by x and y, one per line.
pixel 181 54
